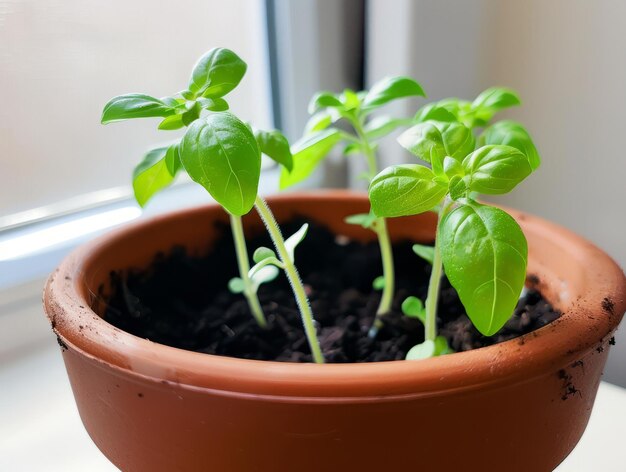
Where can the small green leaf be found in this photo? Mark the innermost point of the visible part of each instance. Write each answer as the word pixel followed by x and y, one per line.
pixel 421 351
pixel 391 88
pixel 492 100
pixel 452 167
pixel 307 154
pixel 438 139
pixel 220 153
pixel 405 190
pixel 263 253
pixel 319 121
pixel 511 133
pixel 413 307
pixel 379 283
pixel 274 145
pixel 495 169
pixel 264 275
pixel 172 122
pixel 366 220
pixel 350 100
pixel 260 273
pixel 433 112
pixel 135 105
pixel 425 252
pixel 236 285
pixel 156 171
pixel 352 148
pixel 213 104
pixel 383 125
pixel 457 187
pixel 323 100
pixel 488 244
pixel 296 238
pixel 216 73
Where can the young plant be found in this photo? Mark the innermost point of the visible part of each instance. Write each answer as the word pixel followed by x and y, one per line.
pixel 321 137
pixel 222 154
pixel 482 248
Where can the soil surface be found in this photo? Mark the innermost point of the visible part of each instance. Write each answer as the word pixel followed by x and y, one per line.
pixel 182 300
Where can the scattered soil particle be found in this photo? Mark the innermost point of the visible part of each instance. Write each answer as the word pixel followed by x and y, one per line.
pixel 568 388
pixel 182 300
pixel 608 305
pixel 612 341
pixel 140 395
pixel 61 343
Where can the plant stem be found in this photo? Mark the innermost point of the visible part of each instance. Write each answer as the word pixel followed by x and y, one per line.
pixel 432 298
pixel 294 279
pixel 380 228
pixel 244 267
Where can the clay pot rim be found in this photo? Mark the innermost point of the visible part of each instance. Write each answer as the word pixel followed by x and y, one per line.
pixel 68 310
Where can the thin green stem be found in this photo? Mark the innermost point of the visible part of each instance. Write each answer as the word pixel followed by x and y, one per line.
pixel 244 267
pixel 380 227
pixel 294 279
pixel 432 298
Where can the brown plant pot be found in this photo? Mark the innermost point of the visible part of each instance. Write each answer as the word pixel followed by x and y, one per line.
pixel 154 408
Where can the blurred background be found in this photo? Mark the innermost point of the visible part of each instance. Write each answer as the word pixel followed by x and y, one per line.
pixel 65 178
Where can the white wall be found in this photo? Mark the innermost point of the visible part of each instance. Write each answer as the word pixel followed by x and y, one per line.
pixel 567 58
pixel 62 60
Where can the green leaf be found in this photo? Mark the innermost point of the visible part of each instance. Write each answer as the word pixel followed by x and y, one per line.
pixel 391 88
pixel 366 220
pixel 319 121
pixel 495 169
pixel 405 190
pixel 383 125
pixel 379 283
pixel 434 139
pixel 324 100
pixel 350 100
pixel 172 122
pixel 492 100
pixel 433 112
pixel 135 105
pixel 213 104
pixel 274 145
pixel 353 148
pixel 421 351
pixel 457 187
pixel 260 273
pixel 216 73
pixel 263 253
pixel 156 171
pixel 236 285
pixel 511 133
pixel 263 275
pixel 296 238
pixel 484 254
pixel 425 252
pixel 307 154
pixel 413 307
pixel 220 153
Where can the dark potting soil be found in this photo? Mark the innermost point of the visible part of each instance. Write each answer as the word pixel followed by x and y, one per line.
pixel 182 300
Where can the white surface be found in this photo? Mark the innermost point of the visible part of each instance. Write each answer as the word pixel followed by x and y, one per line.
pixel 40 430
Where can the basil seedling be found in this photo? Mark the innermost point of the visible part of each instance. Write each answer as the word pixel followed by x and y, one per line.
pixel 321 137
pixel 482 248
pixel 223 155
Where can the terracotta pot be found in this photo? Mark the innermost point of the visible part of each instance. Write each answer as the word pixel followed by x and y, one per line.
pixel 517 406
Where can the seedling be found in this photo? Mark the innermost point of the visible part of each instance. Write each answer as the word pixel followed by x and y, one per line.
pixel 482 248
pixel 321 137
pixel 223 155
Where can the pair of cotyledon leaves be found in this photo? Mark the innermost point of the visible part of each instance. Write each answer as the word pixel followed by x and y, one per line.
pixel 218 151
pixel 483 250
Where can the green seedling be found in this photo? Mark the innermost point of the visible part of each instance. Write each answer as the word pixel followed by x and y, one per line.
pixel 321 137
pixel 482 248
pixel 223 155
